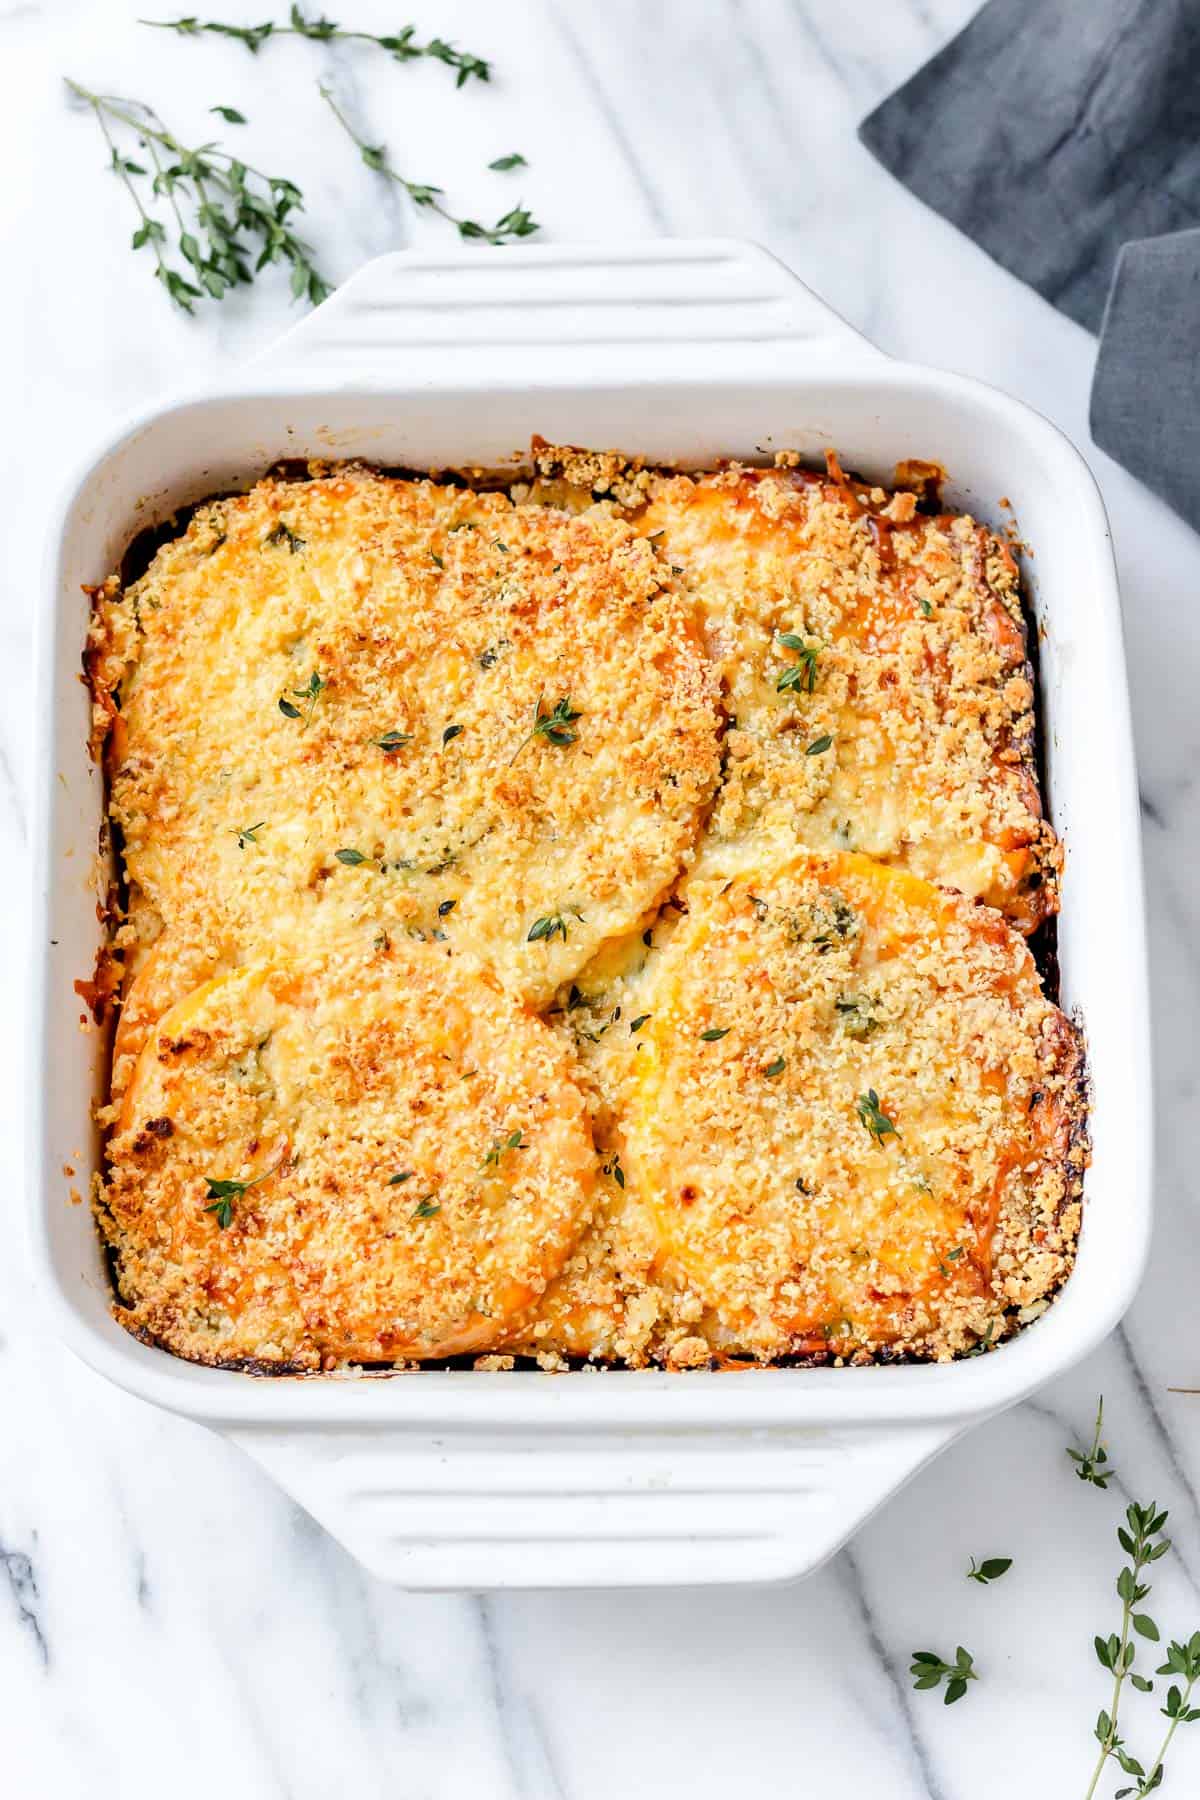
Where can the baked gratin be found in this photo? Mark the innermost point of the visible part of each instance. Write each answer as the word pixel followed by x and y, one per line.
pixel 598 920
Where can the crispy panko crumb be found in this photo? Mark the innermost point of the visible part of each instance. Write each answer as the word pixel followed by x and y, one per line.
pixel 874 664
pixel 343 1154
pixel 579 924
pixel 336 697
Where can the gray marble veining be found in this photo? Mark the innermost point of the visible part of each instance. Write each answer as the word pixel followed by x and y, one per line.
pixel 159 1596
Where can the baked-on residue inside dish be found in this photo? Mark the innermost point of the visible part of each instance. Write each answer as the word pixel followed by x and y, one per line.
pixel 583 921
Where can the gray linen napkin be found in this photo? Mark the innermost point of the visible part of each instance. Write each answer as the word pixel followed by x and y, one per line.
pixel 1055 132
pixel 1146 389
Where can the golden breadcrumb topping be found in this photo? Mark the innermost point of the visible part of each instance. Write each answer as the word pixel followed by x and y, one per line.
pixel 361 1153
pixel 851 1112
pixel 674 762
pixel 364 697
pixel 874 663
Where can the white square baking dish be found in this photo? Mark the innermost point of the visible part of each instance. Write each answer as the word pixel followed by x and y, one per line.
pixel 688 352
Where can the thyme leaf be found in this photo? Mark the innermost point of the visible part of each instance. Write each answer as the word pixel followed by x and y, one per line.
pixel 1091 1464
pixel 873 1118
pixel 928 1670
pixel 402 46
pixel 990 1569
pixel 1143 1543
pixel 516 223
pixel 555 726
pixel 224 219
pixel 391 741
pixel 224 1190
pixel 283 534
pixel 310 693
pixel 514 1141
pixel 551 926
pixel 800 676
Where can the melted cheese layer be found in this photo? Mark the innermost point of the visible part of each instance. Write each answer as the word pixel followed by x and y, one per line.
pixel 403 1154
pixel 337 702
pixel 850 1112
pixel 398 765
pixel 873 659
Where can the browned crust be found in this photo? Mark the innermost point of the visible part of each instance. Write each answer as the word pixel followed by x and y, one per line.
pixel 567 475
pixel 626 482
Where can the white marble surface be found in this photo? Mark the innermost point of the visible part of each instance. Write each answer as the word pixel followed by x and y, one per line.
pixel 167 1616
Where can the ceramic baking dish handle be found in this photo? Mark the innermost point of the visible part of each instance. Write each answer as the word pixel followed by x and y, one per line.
pixel 476 1508
pixel 521 314
pixel 492 1506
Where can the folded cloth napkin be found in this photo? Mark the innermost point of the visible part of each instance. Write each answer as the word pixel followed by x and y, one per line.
pixel 1064 137
pixel 1146 389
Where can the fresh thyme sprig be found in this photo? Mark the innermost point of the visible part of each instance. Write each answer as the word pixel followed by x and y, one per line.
pixel 223 1191
pixel 1142 1538
pixel 214 203
pixel 873 1118
pixel 990 1569
pixel 929 1671
pixel 548 928
pixel 310 692
pixel 401 45
pixel 802 674
pixel 283 534
pixel 555 726
pixel 1142 1541
pixel 1090 1465
pixel 391 741
pixel 516 223
pixel 514 1141
pixel 1183 1659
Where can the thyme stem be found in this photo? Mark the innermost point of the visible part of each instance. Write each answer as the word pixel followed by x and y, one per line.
pixel 402 45
pixel 516 223
pixel 1151 1778
pixel 251 201
pixel 1142 1541
pixel 118 163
